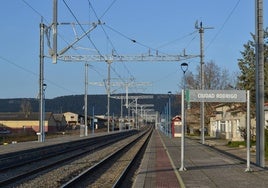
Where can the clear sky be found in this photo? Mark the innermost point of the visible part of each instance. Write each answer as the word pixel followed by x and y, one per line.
pixel 167 26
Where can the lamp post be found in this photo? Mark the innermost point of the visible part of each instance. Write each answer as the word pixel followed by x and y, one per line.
pixel 169 114
pixel 93 119
pixel 184 68
pixel 166 119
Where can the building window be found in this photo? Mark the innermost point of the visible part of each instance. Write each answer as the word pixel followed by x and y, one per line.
pixel 237 126
pixel 222 126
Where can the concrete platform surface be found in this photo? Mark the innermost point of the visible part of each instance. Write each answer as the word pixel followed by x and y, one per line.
pixel 205 166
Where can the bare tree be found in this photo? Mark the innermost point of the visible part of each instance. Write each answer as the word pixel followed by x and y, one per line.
pixel 26 107
pixel 215 77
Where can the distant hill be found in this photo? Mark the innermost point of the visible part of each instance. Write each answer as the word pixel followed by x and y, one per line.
pixel 75 103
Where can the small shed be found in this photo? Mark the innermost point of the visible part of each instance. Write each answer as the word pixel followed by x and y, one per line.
pixel 176 126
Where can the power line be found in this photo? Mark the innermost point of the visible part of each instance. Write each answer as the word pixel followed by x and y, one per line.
pixel 224 23
pixel 18 66
pixel 176 40
pixel 109 7
pixel 33 73
pixel 134 40
pixel 105 33
pixel 89 37
pixel 108 38
pixel 33 9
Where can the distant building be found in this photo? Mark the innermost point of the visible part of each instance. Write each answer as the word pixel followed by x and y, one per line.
pixel 22 122
pixel 72 119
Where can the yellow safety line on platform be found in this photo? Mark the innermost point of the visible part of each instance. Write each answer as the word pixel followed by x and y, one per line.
pixel 172 163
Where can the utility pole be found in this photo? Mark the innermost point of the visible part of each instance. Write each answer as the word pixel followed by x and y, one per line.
pixel 53 52
pixel 86 90
pixel 202 73
pixel 55 31
pixel 108 95
pixel 41 136
pixel 43 28
pixel 259 77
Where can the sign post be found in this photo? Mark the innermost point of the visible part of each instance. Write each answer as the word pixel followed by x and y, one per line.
pixel 182 168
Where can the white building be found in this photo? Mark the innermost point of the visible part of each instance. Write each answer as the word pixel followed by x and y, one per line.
pixel 229 122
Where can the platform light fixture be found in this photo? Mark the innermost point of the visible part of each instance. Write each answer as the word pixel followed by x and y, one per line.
pixel 184 67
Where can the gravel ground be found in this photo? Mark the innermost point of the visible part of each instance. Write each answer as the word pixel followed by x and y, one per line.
pixel 59 176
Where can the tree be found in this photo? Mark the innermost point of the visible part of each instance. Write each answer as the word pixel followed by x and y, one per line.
pixel 214 77
pixel 26 107
pixel 246 78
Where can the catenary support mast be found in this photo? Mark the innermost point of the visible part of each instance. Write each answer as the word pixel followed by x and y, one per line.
pixel 259 74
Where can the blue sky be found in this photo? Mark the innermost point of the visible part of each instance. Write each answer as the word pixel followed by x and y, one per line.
pixel 167 26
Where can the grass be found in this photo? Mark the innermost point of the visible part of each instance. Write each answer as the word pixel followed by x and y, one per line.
pixel 25 137
pixel 253 143
pixel 22 137
pixel 236 143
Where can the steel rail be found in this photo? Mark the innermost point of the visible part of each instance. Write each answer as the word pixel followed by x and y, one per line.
pixel 83 175
pixel 125 172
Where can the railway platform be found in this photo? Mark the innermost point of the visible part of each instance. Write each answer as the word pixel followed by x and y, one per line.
pixel 20 146
pixel 204 166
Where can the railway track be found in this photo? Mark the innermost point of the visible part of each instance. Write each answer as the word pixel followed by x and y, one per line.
pixel 112 170
pixel 22 168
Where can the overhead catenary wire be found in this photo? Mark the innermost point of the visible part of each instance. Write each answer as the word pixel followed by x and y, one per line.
pixel 136 41
pixel 105 33
pixel 125 36
pixel 33 73
pixel 34 10
pixel 80 25
pixel 82 28
pixel 108 8
pixel 88 35
pixel 176 40
pixel 224 23
pixel 114 51
pixel 107 37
